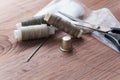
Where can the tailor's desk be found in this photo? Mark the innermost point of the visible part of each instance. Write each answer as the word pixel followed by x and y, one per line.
pixel 90 60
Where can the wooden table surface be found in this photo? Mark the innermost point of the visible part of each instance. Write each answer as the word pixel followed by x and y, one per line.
pixel 90 59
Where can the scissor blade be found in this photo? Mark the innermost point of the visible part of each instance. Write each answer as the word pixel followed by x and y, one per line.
pixel 86 24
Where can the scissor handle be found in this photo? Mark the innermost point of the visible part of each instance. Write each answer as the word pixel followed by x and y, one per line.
pixel 115 39
pixel 115 30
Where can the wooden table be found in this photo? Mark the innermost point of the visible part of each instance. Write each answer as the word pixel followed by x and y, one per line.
pixel 90 59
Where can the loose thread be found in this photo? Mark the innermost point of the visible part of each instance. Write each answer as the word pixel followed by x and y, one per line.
pixel 30 57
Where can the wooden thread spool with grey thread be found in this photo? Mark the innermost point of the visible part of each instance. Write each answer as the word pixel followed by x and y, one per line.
pixel 64 25
pixel 32 21
pixel 32 32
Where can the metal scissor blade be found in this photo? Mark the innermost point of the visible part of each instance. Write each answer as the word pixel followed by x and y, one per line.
pixel 85 24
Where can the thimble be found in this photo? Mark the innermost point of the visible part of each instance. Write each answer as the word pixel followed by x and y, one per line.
pixel 66 44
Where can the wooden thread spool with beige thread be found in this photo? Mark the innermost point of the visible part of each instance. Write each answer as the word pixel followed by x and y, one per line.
pixel 33 32
pixel 64 25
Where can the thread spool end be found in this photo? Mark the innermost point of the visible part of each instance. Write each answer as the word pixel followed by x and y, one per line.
pixel 18 35
pixel 18 25
pixel 80 33
pixel 47 17
pixel 51 30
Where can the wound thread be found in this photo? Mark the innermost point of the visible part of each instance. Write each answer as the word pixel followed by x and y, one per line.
pixel 32 21
pixel 32 32
pixel 64 25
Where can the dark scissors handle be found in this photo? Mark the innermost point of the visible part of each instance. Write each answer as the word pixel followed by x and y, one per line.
pixel 114 38
pixel 115 30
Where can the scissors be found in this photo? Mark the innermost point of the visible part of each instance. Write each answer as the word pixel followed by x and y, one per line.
pixel 112 34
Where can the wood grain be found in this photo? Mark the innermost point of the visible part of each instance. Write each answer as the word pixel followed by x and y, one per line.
pixel 90 59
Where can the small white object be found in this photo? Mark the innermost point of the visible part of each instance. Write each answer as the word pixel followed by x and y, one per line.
pixel 18 25
pixel 47 17
pixel 66 38
pixel 18 35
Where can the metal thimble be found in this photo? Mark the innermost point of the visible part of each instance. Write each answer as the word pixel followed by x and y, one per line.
pixel 66 44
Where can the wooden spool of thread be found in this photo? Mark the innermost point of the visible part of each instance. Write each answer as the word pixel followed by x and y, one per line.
pixel 64 25
pixel 33 32
pixel 32 21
